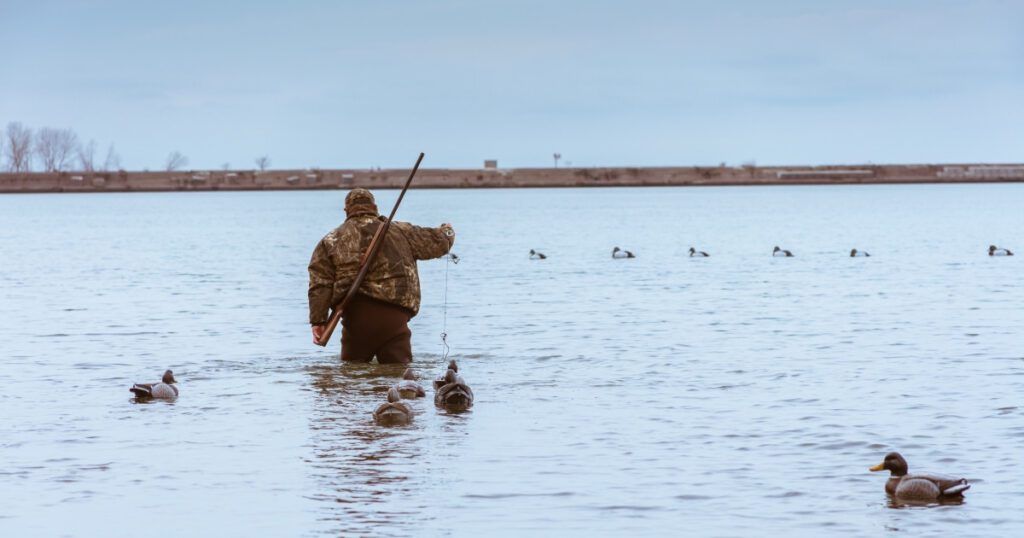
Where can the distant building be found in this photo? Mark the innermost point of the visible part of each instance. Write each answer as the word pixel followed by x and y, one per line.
pixel 491 163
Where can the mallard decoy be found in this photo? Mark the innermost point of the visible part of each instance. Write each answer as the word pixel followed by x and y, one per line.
pixel 439 382
pixel 694 253
pixel 408 387
pixel 995 251
pixel 164 390
pixel 918 487
pixel 859 254
pixel 454 394
pixel 534 255
pixel 619 254
pixel 394 412
pixel 779 253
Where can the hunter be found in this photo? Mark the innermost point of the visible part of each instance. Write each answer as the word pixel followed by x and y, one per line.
pixel 376 321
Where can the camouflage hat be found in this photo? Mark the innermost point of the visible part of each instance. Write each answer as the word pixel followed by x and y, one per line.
pixel 359 197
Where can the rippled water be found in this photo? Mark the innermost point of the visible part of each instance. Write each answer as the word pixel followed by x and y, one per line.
pixel 736 395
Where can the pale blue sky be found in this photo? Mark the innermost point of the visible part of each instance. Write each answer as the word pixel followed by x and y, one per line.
pixel 641 82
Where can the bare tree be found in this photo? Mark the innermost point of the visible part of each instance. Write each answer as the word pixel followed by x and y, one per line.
pixel 113 160
pixel 18 147
pixel 176 161
pixel 225 167
pixel 557 156
pixel 87 156
pixel 263 162
pixel 55 148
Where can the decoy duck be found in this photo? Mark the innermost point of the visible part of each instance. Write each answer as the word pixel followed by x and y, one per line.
pixel 454 394
pixel 439 382
pixel 919 487
pixel 534 255
pixel 619 254
pixel 694 253
pixel 164 390
pixel 995 251
pixel 859 254
pixel 394 412
pixel 408 387
pixel 779 253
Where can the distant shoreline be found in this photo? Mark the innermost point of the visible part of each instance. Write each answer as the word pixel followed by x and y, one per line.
pixel 443 178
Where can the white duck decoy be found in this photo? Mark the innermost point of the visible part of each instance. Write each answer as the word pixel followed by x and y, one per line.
pixel 534 255
pixel 164 390
pixel 779 253
pixel 996 251
pixel 619 254
pixel 859 254
pixel 694 253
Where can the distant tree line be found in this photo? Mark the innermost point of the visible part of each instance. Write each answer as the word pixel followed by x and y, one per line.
pixel 51 150
pixel 60 150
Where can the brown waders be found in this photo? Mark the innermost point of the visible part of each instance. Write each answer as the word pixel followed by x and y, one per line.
pixel 375 328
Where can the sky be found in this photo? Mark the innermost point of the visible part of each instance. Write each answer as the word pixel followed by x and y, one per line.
pixel 357 84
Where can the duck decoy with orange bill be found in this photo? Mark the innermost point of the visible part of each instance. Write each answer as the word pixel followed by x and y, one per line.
pixel 926 487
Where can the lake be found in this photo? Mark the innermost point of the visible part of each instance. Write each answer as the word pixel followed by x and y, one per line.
pixel 735 395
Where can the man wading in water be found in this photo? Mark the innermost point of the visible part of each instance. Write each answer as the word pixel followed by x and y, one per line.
pixel 375 322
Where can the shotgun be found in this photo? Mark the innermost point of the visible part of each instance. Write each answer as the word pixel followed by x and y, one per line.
pixel 364 264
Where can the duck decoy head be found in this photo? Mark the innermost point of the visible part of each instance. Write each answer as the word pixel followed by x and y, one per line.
pixel 991 249
pixel 409 374
pixel 894 463
pixel 693 250
pixel 615 250
pixel 452 365
pixel 777 249
pixel 853 253
pixel 168 377
pixel 393 395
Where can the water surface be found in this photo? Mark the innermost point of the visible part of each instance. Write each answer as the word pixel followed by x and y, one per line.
pixel 736 395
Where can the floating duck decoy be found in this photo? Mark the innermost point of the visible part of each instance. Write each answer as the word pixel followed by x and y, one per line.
pixel 859 254
pixel 779 253
pixel 694 253
pixel 534 255
pixel 408 387
pixel 995 251
pixel 919 487
pixel 164 390
pixel 439 382
pixel 394 412
pixel 454 394
pixel 620 254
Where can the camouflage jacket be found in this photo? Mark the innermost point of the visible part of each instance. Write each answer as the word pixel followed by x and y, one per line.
pixel 392 277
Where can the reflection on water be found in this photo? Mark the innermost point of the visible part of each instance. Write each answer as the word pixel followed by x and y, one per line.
pixel 736 395
pixel 366 473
